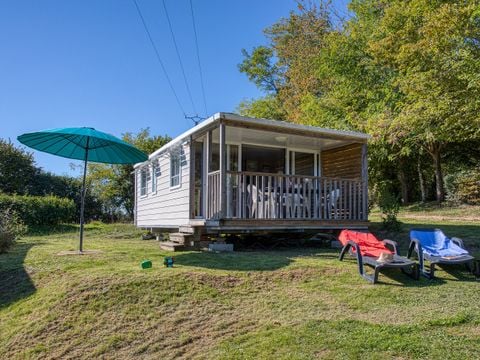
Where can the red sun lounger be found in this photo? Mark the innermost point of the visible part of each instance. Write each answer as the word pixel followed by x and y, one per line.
pixel 378 254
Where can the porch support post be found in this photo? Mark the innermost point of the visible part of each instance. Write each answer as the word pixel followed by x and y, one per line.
pixel 135 206
pixel 192 178
pixel 365 182
pixel 206 170
pixel 223 171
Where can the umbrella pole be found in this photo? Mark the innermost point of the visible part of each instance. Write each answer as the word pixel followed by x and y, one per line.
pixel 82 201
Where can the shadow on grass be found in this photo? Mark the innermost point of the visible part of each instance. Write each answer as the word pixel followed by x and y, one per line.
pixel 239 261
pixel 53 229
pixel 458 272
pixel 404 280
pixel 15 282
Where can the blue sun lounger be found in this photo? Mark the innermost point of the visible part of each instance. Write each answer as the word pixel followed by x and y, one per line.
pixel 434 246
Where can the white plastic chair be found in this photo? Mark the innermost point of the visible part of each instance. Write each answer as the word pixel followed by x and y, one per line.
pixel 252 191
pixel 333 198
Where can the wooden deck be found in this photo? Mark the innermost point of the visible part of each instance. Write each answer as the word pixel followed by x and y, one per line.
pixel 281 225
pixel 263 196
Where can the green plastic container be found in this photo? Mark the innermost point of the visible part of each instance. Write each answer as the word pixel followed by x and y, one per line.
pixel 146 264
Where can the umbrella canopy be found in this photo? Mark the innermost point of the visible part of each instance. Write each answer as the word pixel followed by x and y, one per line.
pixel 85 144
pixel 73 143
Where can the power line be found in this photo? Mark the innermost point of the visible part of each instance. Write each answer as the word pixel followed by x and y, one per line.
pixel 198 59
pixel 159 58
pixel 179 57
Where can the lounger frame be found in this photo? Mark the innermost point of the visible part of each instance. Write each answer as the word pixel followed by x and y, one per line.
pixel 407 266
pixel 429 273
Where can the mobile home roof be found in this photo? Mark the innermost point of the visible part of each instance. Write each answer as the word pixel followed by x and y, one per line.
pixel 259 122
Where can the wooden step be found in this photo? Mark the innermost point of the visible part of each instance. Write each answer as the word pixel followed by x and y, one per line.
pixel 196 222
pixel 180 238
pixel 171 246
pixel 186 229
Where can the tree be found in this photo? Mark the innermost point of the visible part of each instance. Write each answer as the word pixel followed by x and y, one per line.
pixel 19 175
pixel 17 168
pixel 268 107
pixel 434 46
pixel 285 69
pixel 114 184
pixel 262 70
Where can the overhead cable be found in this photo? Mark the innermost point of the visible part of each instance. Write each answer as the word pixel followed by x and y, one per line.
pixel 158 57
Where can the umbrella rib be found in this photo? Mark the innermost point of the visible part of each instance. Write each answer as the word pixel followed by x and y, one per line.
pixel 122 150
pixel 66 137
pixel 65 145
pixel 99 146
pixel 107 151
pixel 43 140
pixel 73 149
pixel 112 152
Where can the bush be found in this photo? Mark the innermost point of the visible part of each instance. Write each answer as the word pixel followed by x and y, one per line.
pixel 389 205
pixel 464 187
pixel 39 210
pixel 10 228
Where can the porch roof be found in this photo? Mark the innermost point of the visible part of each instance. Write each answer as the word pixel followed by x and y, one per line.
pixel 266 124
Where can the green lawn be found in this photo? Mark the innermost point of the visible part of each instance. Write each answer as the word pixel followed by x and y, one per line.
pixel 285 304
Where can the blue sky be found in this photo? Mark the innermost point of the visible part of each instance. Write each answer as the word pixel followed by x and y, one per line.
pixel 89 63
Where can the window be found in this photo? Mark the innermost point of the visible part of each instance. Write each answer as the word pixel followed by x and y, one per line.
pixel 143 182
pixel 304 164
pixel 183 157
pixel 154 178
pixel 175 161
pixel 263 159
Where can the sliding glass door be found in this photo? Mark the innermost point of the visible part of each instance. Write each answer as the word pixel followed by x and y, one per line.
pixel 302 163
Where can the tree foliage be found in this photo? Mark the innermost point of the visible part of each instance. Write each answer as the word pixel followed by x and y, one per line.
pixel 268 107
pixel 113 185
pixel 406 72
pixel 19 175
pixel 17 169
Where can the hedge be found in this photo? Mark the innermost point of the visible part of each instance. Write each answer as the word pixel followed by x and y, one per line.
pixel 39 210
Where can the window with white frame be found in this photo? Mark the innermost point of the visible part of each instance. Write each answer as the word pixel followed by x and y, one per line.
pixel 155 175
pixel 175 166
pixel 143 182
pixel 154 179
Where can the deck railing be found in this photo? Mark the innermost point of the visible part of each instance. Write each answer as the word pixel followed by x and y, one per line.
pixel 213 204
pixel 252 195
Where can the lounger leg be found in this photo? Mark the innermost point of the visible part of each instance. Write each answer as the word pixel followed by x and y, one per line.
pixel 432 271
pixel 470 267
pixel 416 270
pixel 429 274
pixel 375 274
pixel 413 272
pixel 423 271
pixel 344 251
pixel 410 250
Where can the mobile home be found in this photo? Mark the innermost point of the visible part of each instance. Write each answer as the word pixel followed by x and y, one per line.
pixel 233 174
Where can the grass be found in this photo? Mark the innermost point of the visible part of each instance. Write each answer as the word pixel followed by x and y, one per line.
pixel 297 303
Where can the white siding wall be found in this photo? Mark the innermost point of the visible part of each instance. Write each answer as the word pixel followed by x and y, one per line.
pixel 168 207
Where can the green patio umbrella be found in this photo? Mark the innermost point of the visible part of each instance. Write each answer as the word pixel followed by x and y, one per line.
pixel 87 144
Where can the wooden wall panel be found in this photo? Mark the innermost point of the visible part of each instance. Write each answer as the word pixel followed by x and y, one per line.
pixel 344 162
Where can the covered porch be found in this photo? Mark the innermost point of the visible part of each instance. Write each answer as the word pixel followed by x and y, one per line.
pixel 269 175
